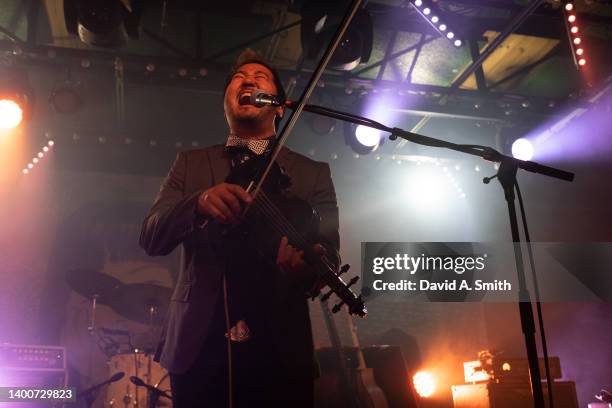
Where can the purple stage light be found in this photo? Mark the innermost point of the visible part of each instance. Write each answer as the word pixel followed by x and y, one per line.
pixel 522 149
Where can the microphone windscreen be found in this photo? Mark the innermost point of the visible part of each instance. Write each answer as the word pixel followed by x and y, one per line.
pixel 117 376
pixel 136 380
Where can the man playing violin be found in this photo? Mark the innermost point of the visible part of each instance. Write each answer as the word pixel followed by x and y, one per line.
pixel 237 321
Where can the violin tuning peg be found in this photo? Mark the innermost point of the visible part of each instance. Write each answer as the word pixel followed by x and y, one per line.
pixel 352 281
pixel 344 269
pixel 337 307
pixel 326 296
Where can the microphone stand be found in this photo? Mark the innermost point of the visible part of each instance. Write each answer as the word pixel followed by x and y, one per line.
pixel 506 175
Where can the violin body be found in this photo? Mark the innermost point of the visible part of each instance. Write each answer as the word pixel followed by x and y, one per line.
pixel 273 214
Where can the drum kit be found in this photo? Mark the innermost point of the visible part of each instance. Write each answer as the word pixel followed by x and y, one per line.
pixel 135 379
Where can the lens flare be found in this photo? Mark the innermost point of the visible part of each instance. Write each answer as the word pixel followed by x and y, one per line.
pixel 522 149
pixel 10 114
pixel 424 384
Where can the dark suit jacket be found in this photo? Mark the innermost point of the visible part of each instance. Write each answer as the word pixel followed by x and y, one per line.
pixel 172 221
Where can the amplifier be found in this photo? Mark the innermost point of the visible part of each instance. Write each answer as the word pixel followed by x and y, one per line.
pixel 491 395
pixel 32 366
pixel 517 369
pixel 21 356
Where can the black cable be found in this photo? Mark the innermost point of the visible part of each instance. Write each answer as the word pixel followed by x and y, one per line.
pixel 537 295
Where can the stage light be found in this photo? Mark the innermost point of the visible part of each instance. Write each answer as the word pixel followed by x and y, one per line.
pixel 11 114
pixel 40 154
pixel 320 19
pixel 362 139
pixel 25 171
pixel 66 98
pixel 367 136
pixel 103 23
pixel 424 384
pixel 522 149
pixel 430 13
pixel 45 149
pixel 50 143
pixel 573 30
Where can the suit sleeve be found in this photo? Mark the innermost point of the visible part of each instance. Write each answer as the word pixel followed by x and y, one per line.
pixel 324 201
pixel 173 215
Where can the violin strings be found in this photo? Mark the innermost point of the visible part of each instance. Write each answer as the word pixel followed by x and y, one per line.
pixel 280 226
pixel 282 219
pixel 278 217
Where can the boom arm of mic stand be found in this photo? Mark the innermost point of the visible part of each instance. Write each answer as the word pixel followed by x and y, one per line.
pixel 485 152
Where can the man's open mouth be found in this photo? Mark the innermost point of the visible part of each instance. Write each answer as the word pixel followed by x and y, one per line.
pixel 244 97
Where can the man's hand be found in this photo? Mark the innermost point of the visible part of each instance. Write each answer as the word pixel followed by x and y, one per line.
pixel 290 260
pixel 223 202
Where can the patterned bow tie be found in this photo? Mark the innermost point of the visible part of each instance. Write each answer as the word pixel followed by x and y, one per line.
pixel 259 146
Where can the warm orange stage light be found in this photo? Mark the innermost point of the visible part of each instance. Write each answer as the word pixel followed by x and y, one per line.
pixel 11 114
pixel 424 384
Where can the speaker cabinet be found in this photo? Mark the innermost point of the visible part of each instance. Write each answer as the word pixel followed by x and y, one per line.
pixel 511 395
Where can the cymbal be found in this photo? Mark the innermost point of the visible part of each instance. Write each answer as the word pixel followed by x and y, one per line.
pixel 90 283
pixel 135 301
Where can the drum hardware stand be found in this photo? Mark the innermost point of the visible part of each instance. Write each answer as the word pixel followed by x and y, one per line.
pixel 92 320
pixel 507 177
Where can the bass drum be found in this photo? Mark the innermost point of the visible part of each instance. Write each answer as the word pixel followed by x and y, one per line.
pixel 123 393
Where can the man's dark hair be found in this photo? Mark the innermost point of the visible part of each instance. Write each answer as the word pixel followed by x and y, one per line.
pixel 249 56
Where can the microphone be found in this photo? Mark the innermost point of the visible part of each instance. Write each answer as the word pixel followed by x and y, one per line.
pixel 260 99
pixel 138 382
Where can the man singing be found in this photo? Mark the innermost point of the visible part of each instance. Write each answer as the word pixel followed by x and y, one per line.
pixel 238 330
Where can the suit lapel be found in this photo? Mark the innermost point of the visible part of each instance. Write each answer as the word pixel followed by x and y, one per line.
pixel 219 164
